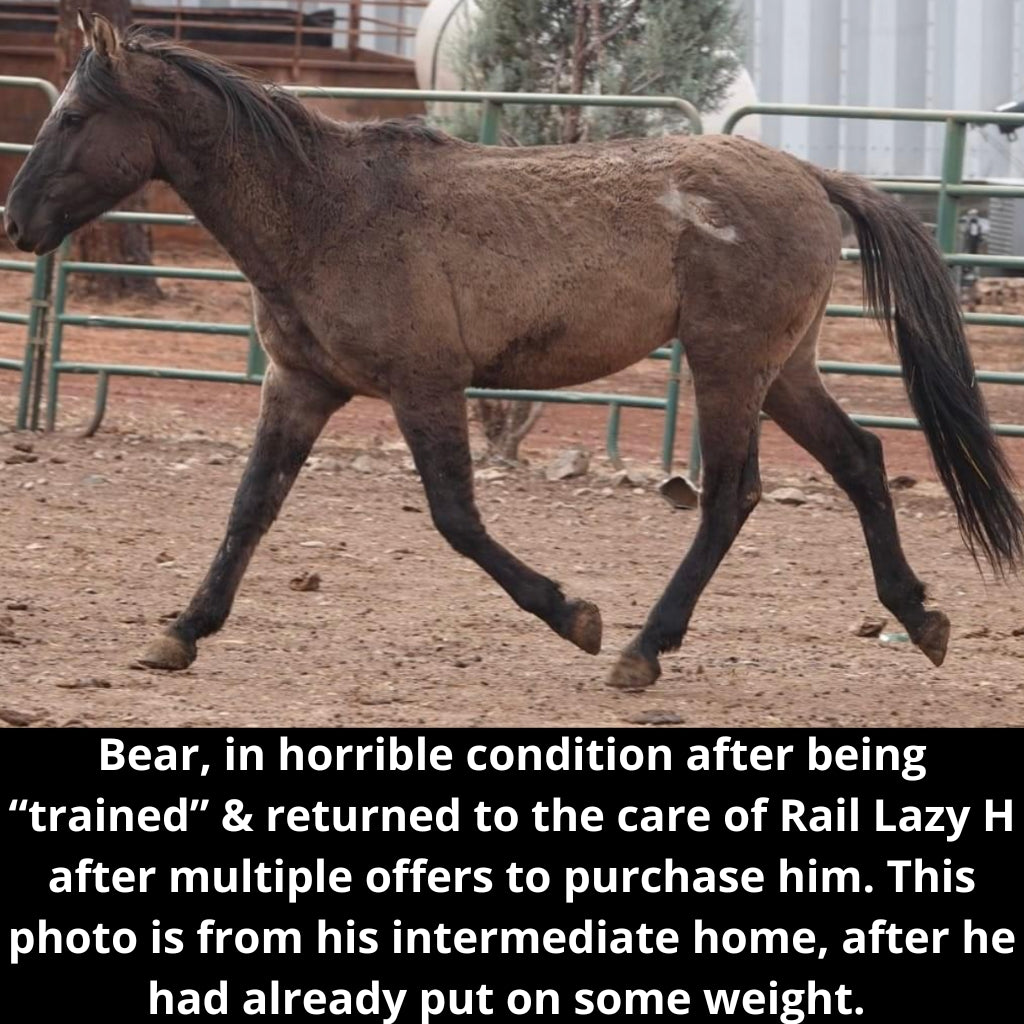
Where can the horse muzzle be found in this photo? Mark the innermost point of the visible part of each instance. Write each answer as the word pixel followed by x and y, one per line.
pixel 14 232
pixel 30 237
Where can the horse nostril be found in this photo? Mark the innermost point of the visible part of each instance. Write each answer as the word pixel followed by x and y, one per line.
pixel 12 229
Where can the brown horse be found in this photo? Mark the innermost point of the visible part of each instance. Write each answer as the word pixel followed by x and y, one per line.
pixel 389 260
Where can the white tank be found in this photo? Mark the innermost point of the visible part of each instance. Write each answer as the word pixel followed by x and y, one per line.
pixel 739 94
pixel 440 24
pixel 443 20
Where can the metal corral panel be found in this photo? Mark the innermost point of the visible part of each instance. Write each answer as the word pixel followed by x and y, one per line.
pixel 966 54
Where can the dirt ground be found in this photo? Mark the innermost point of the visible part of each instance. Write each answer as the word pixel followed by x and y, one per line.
pixel 102 539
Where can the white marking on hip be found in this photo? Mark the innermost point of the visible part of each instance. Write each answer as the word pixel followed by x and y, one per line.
pixel 697 210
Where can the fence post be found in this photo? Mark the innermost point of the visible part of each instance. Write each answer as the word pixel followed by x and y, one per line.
pixel 611 444
pixel 668 440
pixel 952 174
pixel 42 310
pixel 35 341
pixel 490 123
pixel 693 466
pixel 57 337
pixel 256 359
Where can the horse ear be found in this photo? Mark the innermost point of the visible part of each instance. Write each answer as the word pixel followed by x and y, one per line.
pixel 105 40
pixel 84 27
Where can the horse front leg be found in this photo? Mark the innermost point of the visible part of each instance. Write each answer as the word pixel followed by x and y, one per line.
pixel 434 424
pixel 293 411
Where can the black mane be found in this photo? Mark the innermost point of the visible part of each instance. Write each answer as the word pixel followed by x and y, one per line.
pixel 278 119
pixel 274 116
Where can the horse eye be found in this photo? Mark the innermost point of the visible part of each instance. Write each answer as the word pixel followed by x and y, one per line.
pixel 72 119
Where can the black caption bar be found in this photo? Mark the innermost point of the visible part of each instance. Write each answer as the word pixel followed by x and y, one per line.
pixel 416 877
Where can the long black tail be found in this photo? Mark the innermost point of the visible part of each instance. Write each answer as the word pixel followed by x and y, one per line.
pixel 909 289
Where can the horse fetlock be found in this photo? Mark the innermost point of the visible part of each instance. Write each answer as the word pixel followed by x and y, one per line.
pixel 582 625
pixel 634 671
pixel 905 599
pixel 170 653
pixel 932 637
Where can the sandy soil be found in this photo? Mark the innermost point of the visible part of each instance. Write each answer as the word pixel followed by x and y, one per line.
pixel 102 538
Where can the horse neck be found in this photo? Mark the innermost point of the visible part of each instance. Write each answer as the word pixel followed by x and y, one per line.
pixel 238 191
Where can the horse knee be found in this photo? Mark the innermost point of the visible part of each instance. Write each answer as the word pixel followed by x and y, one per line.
pixel 730 499
pixel 750 495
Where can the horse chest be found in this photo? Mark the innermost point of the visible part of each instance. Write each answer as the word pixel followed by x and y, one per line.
pixel 330 351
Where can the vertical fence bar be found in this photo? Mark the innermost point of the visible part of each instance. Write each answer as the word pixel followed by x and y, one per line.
pixel 490 123
pixel 611 443
pixel 36 329
pixel 39 327
pixel 668 441
pixel 694 463
pixel 946 217
pixel 60 296
pixel 256 359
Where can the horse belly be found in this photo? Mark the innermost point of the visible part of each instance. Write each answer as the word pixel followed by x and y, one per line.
pixel 579 341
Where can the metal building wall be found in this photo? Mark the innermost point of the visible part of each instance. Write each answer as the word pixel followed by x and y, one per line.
pixel 900 53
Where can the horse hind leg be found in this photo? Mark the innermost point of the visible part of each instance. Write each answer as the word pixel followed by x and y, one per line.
pixel 798 402
pixel 729 411
pixel 434 424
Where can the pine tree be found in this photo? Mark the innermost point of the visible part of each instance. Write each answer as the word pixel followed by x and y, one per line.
pixel 683 48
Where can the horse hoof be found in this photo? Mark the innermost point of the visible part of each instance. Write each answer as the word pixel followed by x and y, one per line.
pixel 934 637
pixel 168 653
pixel 634 672
pixel 584 629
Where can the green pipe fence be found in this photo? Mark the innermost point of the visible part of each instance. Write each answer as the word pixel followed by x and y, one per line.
pixel 253 373
pixel 491 104
pixel 35 321
pixel 950 188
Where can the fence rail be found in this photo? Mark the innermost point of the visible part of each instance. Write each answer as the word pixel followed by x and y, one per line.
pixel 491 105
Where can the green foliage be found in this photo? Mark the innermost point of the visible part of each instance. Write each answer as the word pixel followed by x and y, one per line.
pixel 683 48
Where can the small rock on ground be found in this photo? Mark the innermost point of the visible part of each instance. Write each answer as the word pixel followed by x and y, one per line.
pixel 787 496
pixel 572 462
pixel 368 464
pixel 19 719
pixel 655 716
pixel 902 482
pixel 306 582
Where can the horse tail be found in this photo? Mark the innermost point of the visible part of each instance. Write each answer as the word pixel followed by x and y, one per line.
pixel 909 291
